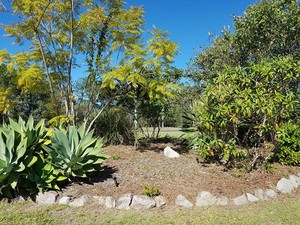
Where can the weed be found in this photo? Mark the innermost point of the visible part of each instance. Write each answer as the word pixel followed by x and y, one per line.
pixel 151 190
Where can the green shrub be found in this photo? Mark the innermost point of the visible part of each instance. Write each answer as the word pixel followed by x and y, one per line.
pixel 151 190
pixel 115 126
pixel 75 152
pixel 288 144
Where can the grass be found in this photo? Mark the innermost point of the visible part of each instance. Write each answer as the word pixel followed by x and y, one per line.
pixel 284 210
pixel 173 132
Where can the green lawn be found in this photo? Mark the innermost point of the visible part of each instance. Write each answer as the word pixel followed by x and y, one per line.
pixel 174 132
pixel 284 210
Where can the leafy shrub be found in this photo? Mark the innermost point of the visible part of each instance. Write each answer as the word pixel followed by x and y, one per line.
pixel 244 104
pixel 115 126
pixel 151 190
pixel 288 144
pixel 75 152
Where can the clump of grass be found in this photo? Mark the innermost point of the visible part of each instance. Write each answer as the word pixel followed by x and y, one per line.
pixel 116 156
pixel 151 190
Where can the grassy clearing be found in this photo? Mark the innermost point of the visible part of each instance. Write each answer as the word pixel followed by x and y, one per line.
pixel 284 210
pixel 173 132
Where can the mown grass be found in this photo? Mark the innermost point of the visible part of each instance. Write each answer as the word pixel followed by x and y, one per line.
pixel 173 132
pixel 284 210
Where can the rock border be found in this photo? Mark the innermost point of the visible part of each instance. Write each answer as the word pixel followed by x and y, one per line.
pixel 204 198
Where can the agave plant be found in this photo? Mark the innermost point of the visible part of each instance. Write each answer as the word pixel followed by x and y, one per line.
pixel 75 152
pixel 23 164
pixel 35 135
pixel 13 160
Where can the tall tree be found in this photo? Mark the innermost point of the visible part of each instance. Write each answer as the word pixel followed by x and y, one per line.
pixel 105 31
pixel 268 29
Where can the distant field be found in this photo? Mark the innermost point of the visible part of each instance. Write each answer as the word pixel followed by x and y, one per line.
pixel 165 131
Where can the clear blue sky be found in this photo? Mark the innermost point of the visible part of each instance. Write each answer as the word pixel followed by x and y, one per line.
pixel 188 22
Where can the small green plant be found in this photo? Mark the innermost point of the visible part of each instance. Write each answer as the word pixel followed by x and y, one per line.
pixel 268 167
pixel 151 190
pixel 116 156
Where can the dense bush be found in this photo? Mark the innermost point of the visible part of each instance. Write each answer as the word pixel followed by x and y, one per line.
pixel 115 126
pixel 244 105
pixel 32 161
pixel 288 144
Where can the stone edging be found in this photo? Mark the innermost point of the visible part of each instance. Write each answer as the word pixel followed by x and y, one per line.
pixel 204 198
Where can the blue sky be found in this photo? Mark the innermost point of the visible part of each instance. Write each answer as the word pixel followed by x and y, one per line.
pixel 188 22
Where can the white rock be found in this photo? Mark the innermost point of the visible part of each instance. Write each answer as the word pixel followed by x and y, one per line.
pixel 241 200
pixel 160 201
pixel 252 198
pixel 46 198
pixel 222 200
pixel 169 152
pixel 124 201
pixel 298 180
pixel 100 200
pixel 269 193
pixel 65 200
pixel 205 198
pixel 259 193
pixel 78 202
pixel 285 186
pixel 182 201
pixel 110 202
pixel 142 202
pixel 293 180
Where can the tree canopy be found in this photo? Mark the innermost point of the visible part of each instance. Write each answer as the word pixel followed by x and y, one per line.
pixel 107 33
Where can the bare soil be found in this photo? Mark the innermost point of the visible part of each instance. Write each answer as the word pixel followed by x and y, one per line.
pixel 132 169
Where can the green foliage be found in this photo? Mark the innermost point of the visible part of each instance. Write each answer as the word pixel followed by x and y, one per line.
pixel 26 166
pixel 151 190
pixel 74 152
pixel 288 144
pixel 116 156
pixel 251 79
pixel 20 149
pixel 115 126
pixel 245 104
pixel 267 29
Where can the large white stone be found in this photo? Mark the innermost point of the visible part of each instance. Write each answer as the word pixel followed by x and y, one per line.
pixel 46 198
pixel 205 198
pixel 142 202
pixel 252 198
pixel 65 200
pixel 285 186
pixel 169 152
pixel 124 201
pixel 160 201
pixel 110 202
pixel 222 200
pixel 294 180
pixel 241 200
pixel 259 193
pixel 100 200
pixel 78 202
pixel 269 193
pixel 182 201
